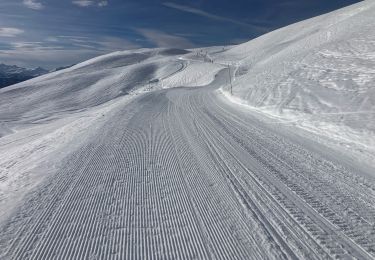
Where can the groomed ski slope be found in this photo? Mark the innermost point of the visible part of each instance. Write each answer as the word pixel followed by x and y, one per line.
pixel 145 155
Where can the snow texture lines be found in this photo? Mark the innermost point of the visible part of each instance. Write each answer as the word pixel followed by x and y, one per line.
pixel 186 176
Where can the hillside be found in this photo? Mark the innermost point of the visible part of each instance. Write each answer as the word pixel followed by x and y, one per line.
pixel 145 154
pixel 318 73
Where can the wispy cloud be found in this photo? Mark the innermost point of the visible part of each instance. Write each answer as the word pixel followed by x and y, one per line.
pixel 57 51
pixel 101 43
pixel 83 3
pixel 33 4
pixel 33 46
pixel 162 39
pixel 10 32
pixel 116 44
pixel 103 3
pixel 199 12
pixel 86 3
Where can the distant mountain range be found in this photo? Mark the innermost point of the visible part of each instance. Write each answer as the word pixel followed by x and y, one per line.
pixel 11 74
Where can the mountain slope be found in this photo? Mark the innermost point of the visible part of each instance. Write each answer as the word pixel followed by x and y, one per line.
pixel 10 75
pixel 318 73
pixel 49 116
pixel 144 154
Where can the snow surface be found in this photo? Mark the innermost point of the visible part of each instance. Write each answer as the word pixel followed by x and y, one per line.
pixel 145 154
pixel 318 73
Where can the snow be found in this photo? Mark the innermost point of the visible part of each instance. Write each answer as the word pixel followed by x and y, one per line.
pixel 318 73
pixel 43 119
pixel 145 154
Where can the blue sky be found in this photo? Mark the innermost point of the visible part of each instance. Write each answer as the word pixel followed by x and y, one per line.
pixel 52 33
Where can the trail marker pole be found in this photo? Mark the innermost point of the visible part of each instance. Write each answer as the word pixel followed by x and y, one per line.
pixel 230 80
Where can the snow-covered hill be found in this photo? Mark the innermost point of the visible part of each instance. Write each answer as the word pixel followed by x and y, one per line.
pixel 144 154
pixel 10 75
pixel 319 73
pixel 46 117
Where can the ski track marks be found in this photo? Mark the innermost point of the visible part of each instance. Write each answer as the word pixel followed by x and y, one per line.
pixel 179 174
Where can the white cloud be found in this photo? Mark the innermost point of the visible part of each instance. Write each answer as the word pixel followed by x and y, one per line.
pixel 55 51
pixel 33 46
pixel 162 39
pixel 72 37
pixel 103 3
pixel 32 54
pixel 33 4
pixel 116 44
pixel 83 3
pixel 86 3
pixel 199 12
pixel 101 43
pixel 52 39
pixel 10 32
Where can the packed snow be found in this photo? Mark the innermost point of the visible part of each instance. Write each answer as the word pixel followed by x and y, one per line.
pixel 318 74
pixel 146 154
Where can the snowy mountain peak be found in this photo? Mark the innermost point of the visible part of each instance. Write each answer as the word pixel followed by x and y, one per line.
pixel 12 74
pixel 13 69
